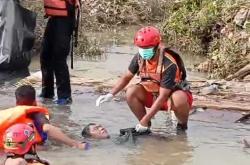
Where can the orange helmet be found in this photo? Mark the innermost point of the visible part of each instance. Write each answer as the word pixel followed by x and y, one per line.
pixel 18 139
pixel 147 37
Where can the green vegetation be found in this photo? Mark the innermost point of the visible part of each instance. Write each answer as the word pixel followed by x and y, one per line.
pixel 89 49
pixel 207 27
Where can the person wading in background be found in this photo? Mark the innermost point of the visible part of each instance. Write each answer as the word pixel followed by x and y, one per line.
pixel 56 47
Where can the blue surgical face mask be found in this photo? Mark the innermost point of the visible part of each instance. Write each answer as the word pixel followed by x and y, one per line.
pixel 146 54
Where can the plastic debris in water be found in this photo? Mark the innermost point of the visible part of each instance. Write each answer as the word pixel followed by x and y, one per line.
pixel 212 89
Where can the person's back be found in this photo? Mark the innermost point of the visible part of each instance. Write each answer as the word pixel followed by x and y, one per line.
pixel 26 96
pixel 25 111
pixel 56 48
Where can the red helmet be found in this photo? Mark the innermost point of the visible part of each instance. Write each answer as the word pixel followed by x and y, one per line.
pixel 18 139
pixel 147 37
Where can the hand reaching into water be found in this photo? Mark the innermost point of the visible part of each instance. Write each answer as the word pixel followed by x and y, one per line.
pixel 82 145
pixel 104 98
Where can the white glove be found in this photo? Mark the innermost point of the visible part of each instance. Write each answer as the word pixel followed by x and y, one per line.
pixel 103 98
pixel 140 128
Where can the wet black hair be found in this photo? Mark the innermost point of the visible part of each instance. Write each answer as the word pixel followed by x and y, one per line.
pixel 25 95
pixel 86 130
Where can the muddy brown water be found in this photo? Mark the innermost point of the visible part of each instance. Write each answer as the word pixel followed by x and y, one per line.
pixel 212 136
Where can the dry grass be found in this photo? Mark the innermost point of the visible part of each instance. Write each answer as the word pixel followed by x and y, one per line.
pixel 98 15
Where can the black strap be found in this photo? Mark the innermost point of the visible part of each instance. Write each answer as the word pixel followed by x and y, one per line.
pixel 74 39
pixel 72 54
pixel 179 62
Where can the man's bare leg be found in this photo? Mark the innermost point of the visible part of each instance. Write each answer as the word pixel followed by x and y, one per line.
pixel 136 97
pixel 180 105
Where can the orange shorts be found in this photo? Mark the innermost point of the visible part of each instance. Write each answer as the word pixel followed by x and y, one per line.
pixel 150 100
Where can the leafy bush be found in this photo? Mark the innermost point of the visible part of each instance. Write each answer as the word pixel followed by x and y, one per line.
pixel 198 25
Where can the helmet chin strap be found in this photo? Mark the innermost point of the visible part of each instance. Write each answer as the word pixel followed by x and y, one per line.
pixel 32 150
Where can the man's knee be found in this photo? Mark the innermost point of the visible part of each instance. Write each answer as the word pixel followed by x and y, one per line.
pixel 131 91
pixel 179 99
pixel 134 91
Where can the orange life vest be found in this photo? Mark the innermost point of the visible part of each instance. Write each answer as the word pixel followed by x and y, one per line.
pixel 57 7
pixel 150 71
pixel 19 114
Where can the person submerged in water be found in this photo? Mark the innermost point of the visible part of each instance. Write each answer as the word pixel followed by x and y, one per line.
pixel 95 131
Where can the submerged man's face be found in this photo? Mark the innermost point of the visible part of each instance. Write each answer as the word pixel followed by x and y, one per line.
pixel 97 131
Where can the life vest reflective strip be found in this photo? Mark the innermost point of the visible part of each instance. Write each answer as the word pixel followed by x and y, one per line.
pixel 151 71
pixel 19 114
pixel 57 7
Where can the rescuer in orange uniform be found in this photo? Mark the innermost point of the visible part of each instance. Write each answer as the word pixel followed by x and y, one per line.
pixel 163 81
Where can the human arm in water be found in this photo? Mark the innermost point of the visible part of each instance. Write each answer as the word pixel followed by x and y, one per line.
pixel 44 125
pixel 57 134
